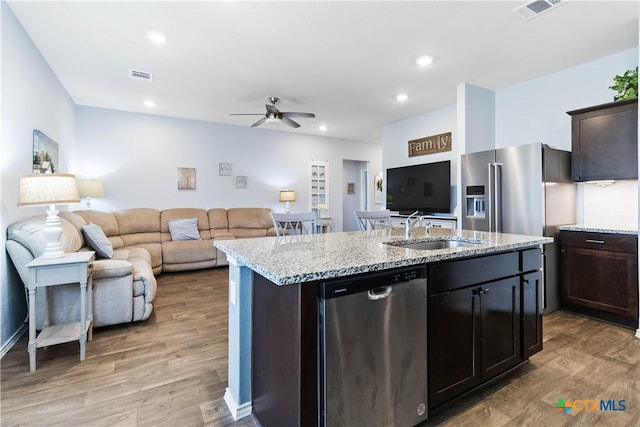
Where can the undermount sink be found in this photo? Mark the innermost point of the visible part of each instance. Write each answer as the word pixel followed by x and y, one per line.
pixel 430 245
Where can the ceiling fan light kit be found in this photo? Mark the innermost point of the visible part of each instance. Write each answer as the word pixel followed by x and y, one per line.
pixel 273 115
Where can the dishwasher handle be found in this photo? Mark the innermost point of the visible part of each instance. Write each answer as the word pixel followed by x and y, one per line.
pixel 380 293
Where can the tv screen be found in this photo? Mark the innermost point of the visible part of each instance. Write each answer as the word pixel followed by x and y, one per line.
pixel 425 187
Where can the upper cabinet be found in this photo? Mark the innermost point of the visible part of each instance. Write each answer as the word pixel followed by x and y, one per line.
pixel 604 141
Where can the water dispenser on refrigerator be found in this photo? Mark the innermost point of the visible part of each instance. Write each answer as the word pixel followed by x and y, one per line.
pixel 475 197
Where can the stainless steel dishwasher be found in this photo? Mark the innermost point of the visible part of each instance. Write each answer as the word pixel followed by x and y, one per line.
pixel 373 349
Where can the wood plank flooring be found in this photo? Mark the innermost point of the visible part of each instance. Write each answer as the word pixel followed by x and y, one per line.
pixel 171 370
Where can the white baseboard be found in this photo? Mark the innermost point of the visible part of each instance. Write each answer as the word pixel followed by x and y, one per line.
pixel 9 344
pixel 237 411
pixel 638 333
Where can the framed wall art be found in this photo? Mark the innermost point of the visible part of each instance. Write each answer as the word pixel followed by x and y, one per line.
pixel 186 178
pixel 241 181
pixel 45 153
pixel 351 188
pixel 377 190
pixel 224 169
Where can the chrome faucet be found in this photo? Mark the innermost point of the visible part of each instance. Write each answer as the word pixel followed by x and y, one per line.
pixel 409 224
pixel 427 224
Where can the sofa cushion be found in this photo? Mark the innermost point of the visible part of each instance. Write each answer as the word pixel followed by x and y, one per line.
pixel 184 229
pixel 106 220
pixel 180 213
pixel 97 240
pixel 188 251
pixel 138 220
pixel 29 233
pixel 104 268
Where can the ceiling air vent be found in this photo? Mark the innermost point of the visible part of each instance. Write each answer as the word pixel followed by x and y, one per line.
pixel 536 8
pixel 142 75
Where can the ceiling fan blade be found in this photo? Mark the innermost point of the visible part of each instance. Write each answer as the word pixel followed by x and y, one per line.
pixel 259 122
pixel 288 121
pixel 246 114
pixel 295 114
pixel 272 110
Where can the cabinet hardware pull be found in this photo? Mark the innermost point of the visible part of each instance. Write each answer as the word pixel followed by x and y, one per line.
pixel 600 242
pixel 485 291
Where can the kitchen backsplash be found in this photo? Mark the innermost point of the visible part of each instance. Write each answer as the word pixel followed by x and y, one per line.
pixel 611 205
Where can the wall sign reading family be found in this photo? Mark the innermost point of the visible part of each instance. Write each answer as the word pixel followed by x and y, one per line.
pixel 430 144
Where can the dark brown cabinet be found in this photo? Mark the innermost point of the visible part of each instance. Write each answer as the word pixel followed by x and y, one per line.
pixel 481 330
pixel 481 312
pixel 600 275
pixel 604 141
pixel 531 309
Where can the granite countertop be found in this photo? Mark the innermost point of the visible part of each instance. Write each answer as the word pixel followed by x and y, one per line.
pixel 295 259
pixel 598 229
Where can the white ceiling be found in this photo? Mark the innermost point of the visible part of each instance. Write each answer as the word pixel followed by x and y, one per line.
pixel 344 61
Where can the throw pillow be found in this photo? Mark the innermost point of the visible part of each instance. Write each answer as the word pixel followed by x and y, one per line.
pixel 184 229
pixel 97 240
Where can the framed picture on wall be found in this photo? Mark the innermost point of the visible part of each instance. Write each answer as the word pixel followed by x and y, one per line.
pixel 351 188
pixel 378 195
pixel 241 181
pixel 186 178
pixel 224 169
pixel 45 153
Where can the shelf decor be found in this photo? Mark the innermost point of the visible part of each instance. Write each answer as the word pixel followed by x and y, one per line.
pixel 626 85
pixel 318 183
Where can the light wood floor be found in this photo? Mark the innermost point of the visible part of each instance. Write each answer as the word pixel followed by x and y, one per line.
pixel 171 370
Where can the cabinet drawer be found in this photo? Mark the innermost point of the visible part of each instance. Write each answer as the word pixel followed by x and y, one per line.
pixel 600 241
pixel 530 260
pixel 452 275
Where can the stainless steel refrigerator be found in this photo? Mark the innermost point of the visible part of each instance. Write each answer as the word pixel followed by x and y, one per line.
pixel 524 189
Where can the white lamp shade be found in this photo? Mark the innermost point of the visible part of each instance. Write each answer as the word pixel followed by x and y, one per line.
pixel 91 188
pixel 48 189
pixel 287 196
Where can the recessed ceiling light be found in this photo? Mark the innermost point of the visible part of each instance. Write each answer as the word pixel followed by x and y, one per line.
pixel 423 61
pixel 401 97
pixel 149 103
pixel 157 37
pixel 323 127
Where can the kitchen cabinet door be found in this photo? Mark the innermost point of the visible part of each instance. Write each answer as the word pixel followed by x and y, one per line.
pixel 500 319
pixel 604 141
pixel 452 322
pixel 531 313
pixel 601 283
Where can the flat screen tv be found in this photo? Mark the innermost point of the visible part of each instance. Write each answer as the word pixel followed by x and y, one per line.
pixel 425 188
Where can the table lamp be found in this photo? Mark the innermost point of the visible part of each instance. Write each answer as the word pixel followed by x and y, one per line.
pixel 287 196
pixel 89 188
pixel 49 189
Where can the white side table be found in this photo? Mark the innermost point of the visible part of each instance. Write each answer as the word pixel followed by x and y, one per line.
pixel 44 272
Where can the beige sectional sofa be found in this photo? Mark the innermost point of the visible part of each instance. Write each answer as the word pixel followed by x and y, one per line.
pixel 125 284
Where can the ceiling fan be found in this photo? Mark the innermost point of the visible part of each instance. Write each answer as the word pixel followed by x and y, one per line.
pixel 274 115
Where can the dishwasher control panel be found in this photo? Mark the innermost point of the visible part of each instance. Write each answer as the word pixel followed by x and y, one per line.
pixel 351 285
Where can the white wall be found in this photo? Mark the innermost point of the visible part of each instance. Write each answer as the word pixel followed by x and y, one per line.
pixel 395 137
pixel 137 156
pixel 536 110
pixel 32 98
pixel 350 202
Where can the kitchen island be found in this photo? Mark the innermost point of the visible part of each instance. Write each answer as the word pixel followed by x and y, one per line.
pixel 274 306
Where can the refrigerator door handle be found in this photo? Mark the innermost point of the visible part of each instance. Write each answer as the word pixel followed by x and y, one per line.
pixel 489 204
pixel 497 187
